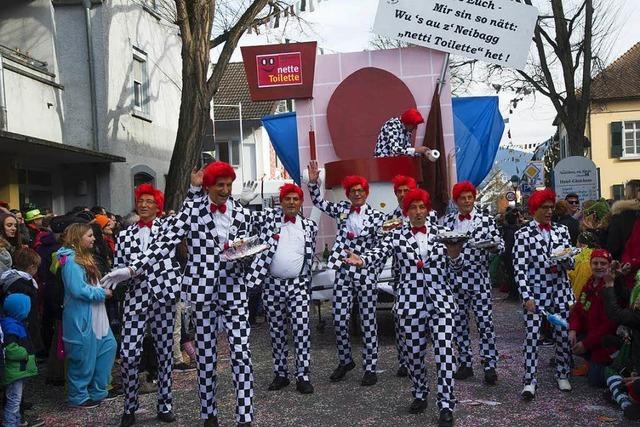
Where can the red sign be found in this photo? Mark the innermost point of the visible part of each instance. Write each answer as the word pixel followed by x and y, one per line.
pixel 282 69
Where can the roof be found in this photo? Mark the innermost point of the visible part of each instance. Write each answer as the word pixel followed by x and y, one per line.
pixel 234 89
pixel 619 80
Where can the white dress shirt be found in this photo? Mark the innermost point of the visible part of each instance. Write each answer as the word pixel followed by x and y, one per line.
pixel 223 222
pixel 288 260
pixel 546 234
pixel 144 233
pixel 355 221
pixel 423 244
pixel 466 225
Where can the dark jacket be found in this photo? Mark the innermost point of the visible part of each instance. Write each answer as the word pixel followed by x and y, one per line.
pixel 625 317
pixel 624 214
pixel 573 225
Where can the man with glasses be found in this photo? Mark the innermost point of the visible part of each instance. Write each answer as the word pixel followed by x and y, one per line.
pixel 358 226
pixel 574 204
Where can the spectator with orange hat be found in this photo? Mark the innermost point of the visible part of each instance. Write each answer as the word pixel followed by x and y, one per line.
pixel 394 138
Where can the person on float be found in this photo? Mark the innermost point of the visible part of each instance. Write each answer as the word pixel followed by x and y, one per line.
pixel 544 286
pixel 472 286
pixel 215 287
pixel 425 303
pixel 149 302
pixel 394 138
pixel 358 225
pixel 285 272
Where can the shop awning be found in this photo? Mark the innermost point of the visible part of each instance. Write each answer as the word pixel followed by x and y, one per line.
pixel 18 145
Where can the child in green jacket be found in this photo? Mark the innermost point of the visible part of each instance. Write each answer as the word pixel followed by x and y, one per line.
pixel 19 360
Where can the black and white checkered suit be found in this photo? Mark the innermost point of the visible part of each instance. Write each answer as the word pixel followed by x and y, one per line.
pixel 352 281
pixel 216 289
pixel 425 305
pixel 545 282
pixel 393 139
pixel 472 287
pixel 149 301
pixel 286 301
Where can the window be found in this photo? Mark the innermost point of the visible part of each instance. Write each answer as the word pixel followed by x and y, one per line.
pixel 228 151
pixel 140 83
pixel 617 191
pixel 631 138
pixel 142 178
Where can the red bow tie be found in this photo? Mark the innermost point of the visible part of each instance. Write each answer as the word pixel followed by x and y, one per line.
pixel 464 217
pixel 416 230
pixel 143 224
pixel 215 208
pixel 355 209
pixel 544 227
pixel 291 219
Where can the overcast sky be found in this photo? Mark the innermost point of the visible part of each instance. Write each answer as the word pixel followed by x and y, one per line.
pixel 345 26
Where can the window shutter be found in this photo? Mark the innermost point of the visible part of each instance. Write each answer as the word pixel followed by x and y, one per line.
pixel 616 139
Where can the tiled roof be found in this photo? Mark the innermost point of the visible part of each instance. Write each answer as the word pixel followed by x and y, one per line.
pixel 619 80
pixel 234 89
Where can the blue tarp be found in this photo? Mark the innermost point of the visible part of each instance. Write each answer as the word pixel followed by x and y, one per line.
pixel 478 127
pixel 283 132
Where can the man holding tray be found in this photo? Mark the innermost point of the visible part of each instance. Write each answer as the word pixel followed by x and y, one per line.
pixel 285 271
pixel 472 286
pixel 544 287
pixel 215 287
pixel 425 303
pixel 358 226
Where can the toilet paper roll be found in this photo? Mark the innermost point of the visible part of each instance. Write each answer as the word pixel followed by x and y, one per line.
pixel 433 155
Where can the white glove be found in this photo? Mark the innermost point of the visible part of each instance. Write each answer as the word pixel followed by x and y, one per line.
pixel 111 280
pixel 248 192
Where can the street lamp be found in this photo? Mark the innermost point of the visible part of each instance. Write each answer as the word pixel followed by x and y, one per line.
pixel 515 181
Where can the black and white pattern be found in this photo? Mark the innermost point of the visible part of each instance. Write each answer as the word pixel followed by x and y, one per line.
pixel 352 281
pixel 545 281
pixel 473 290
pixel 216 289
pixel 425 305
pixel 393 139
pixel 286 301
pixel 149 300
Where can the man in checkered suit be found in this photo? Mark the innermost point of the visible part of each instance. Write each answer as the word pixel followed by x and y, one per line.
pixel 544 287
pixel 214 286
pixel 358 225
pixel 149 302
pixel 472 286
pixel 394 138
pixel 424 302
pixel 285 271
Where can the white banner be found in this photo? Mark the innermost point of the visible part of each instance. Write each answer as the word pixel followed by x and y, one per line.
pixel 496 31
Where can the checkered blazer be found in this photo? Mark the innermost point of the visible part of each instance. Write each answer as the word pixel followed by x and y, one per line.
pixel 415 285
pixel 205 268
pixel 162 281
pixel 536 275
pixel 393 139
pixel 268 224
pixel 475 274
pixel 360 244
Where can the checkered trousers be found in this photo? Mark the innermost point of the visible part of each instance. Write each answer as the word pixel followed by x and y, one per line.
pixel 161 281
pixel 562 358
pixel 360 244
pixel 286 303
pixel 393 139
pixel 235 318
pixel 267 225
pixel 159 317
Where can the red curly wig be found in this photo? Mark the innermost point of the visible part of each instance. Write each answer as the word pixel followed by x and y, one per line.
pixel 149 189
pixel 461 187
pixel 352 180
pixel 216 170
pixel 291 188
pixel 539 197
pixel 400 180
pixel 411 117
pixel 414 195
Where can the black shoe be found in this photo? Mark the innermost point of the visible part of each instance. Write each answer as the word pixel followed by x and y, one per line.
pixel 368 379
pixel 340 372
pixel 113 394
pixel 184 367
pixel 87 404
pixel 304 387
pixel 278 383
pixel 490 376
pixel 127 420
pixel 167 417
pixel 446 418
pixel 418 406
pixel 402 372
pixel 32 422
pixel 632 412
pixel 463 372
pixel 211 422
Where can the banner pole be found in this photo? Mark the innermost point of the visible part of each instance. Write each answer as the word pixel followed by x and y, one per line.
pixel 443 72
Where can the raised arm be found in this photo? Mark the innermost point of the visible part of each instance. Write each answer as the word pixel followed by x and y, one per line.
pixel 329 208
